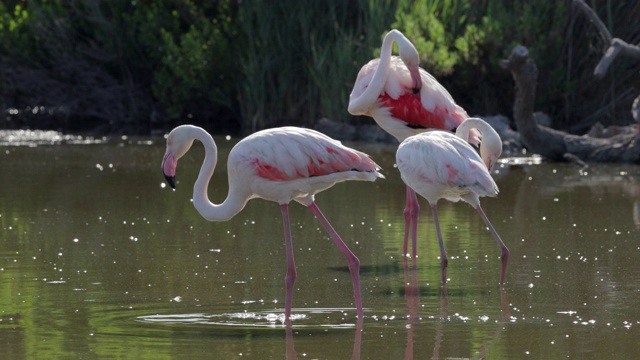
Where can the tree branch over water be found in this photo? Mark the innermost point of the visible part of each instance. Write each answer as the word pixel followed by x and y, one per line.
pixel 613 46
pixel 553 144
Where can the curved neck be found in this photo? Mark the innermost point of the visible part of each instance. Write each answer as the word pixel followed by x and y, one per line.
pixel 361 104
pixel 376 86
pixel 471 123
pixel 210 211
pixel 491 144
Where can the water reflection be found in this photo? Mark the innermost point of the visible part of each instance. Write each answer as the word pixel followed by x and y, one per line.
pixel 303 321
pixel 600 180
pixel 101 261
pixel 290 343
pixel 412 297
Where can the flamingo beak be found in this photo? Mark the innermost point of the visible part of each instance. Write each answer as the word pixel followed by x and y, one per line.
pixel 171 180
pixel 490 164
pixel 169 164
pixel 487 163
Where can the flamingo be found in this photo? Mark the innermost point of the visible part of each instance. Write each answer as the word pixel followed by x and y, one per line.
pixel 441 165
pixel 404 100
pixel 281 165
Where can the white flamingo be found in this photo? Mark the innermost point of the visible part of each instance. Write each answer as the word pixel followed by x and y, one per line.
pixel 404 100
pixel 281 165
pixel 441 165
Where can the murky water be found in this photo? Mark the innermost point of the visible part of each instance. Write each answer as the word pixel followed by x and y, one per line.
pixel 99 260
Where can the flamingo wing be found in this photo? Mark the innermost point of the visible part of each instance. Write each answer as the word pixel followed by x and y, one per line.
pixel 431 108
pixel 291 153
pixel 439 164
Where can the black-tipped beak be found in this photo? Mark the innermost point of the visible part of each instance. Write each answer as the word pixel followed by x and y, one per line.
pixel 171 180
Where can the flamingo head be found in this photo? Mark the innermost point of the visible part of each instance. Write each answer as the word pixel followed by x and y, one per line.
pixel 179 142
pixel 490 148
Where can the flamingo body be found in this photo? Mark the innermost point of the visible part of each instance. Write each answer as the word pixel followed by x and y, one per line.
pixel 386 89
pixel 440 165
pixel 404 100
pixel 281 165
pixel 290 163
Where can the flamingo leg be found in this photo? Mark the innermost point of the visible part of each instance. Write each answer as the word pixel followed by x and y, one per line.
pixel 290 345
pixel 290 277
pixel 505 251
pixel 352 260
pixel 411 212
pixel 444 261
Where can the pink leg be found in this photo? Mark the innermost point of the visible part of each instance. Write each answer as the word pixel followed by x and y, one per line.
pixel 291 348
pixel 290 277
pixel 411 212
pixel 505 252
pixel 352 260
pixel 444 261
pixel 357 340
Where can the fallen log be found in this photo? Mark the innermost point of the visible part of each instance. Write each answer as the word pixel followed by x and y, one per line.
pixel 557 145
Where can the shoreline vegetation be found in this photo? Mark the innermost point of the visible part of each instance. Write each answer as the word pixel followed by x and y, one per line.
pixel 110 67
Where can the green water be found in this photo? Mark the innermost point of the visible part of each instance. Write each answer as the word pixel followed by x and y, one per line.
pixel 98 259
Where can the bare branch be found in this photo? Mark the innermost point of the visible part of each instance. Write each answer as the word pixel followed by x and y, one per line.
pixel 612 47
pixel 554 144
pixel 617 47
pixel 604 32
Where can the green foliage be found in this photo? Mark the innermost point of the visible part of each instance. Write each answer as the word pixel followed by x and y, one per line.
pixel 295 58
pixel 196 69
pixel 186 50
pixel 461 41
pixel 11 22
pixel 247 65
pixel 15 22
pixel 424 22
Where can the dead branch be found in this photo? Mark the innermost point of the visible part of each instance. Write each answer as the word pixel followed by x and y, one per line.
pixel 539 139
pixel 602 29
pixel 612 46
pixel 553 144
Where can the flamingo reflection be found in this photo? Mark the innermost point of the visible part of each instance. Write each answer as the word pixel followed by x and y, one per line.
pixel 291 353
pixel 412 298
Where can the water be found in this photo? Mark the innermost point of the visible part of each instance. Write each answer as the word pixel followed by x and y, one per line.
pixel 98 259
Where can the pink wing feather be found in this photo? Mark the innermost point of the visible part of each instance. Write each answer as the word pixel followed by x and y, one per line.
pixel 292 153
pixel 432 108
pixel 441 158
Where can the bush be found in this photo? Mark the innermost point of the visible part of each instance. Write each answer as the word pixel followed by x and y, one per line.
pixel 461 43
pixel 241 66
pixel 299 59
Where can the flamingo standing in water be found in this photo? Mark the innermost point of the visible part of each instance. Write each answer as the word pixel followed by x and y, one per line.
pixel 441 165
pixel 281 165
pixel 404 100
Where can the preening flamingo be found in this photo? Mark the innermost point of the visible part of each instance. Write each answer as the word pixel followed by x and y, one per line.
pixel 404 100
pixel 281 165
pixel 441 165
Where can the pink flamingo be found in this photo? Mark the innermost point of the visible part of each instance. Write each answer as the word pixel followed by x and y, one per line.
pixel 281 165
pixel 404 100
pixel 441 165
